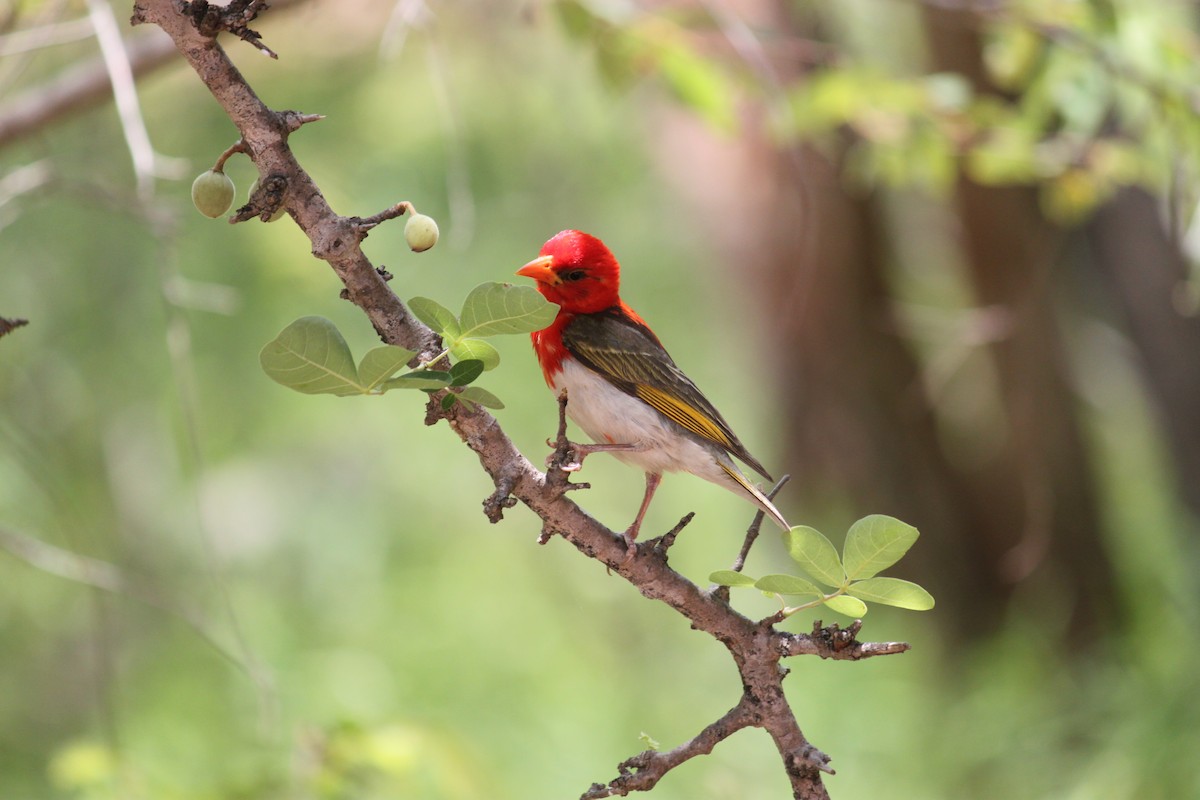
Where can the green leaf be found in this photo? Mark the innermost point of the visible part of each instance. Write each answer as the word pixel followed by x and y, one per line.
pixel 787 584
pixel 312 357
pixel 815 554
pixel 465 372
pixel 727 577
pixel 429 379
pixel 435 315
pixel 448 400
pixel 477 349
pixel 481 396
pixel 874 543
pixel 845 604
pixel 495 308
pixel 893 592
pixel 382 363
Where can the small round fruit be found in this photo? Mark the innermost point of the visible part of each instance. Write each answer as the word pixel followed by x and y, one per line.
pixel 421 232
pixel 279 212
pixel 212 193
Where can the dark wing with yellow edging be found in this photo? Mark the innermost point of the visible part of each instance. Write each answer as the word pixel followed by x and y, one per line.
pixel 630 357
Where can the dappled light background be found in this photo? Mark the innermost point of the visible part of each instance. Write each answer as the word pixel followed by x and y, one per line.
pixel 211 586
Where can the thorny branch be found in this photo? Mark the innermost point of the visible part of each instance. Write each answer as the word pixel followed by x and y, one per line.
pixel 235 18
pixel 756 648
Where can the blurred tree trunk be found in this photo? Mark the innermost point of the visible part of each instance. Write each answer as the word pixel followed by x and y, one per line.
pixel 1145 269
pixel 1044 482
pixel 858 429
pixel 858 426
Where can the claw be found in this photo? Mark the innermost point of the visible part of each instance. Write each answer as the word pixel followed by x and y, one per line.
pixel 630 548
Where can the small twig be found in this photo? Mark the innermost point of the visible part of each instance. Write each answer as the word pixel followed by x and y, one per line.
pixel 146 162
pixel 561 436
pixel 643 771
pixel 564 453
pixel 755 527
pixel 546 534
pixel 237 147
pixel 497 501
pixel 836 643
pixel 365 224
pixel 10 325
pixel 664 543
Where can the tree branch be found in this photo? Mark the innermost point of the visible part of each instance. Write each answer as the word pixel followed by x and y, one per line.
pixel 85 85
pixel 642 772
pixel 756 648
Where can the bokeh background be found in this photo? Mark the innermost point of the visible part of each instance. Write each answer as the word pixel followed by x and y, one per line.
pixel 933 259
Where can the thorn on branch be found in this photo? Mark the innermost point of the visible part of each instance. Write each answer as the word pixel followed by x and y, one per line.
pixel 547 533
pixel 292 121
pixel 235 18
pixel 810 758
pixel 497 501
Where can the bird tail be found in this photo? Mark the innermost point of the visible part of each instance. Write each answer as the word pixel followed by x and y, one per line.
pixel 756 496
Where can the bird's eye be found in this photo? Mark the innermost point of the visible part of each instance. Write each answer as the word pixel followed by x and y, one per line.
pixel 573 275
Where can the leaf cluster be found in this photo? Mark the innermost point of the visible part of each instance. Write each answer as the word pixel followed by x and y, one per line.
pixel 312 357
pixel 873 544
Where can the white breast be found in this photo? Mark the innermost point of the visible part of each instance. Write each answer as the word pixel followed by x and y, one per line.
pixel 610 416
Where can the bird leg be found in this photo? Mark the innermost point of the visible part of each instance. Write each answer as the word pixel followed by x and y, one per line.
pixel 652 481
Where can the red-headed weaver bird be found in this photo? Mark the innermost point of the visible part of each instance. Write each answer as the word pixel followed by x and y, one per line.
pixel 623 389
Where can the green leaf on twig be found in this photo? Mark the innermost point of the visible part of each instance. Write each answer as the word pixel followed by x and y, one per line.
pixel 477 394
pixel 465 372
pixel 815 554
pixel 789 585
pixel 381 363
pixel 312 357
pixel 845 604
pixel 875 543
pixel 435 315
pixel 498 308
pixel 727 577
pixel 475 349
pixel 892 592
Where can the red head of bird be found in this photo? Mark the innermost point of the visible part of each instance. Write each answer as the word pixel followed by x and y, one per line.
pixel 577 272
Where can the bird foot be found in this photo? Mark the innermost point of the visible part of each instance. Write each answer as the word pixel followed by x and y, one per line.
pixel 630 549
pixel 582 451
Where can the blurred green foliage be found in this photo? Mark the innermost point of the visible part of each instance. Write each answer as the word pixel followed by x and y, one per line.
pixel 342 623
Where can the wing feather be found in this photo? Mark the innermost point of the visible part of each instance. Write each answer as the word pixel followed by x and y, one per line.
pixel 629 356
